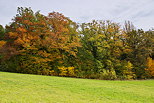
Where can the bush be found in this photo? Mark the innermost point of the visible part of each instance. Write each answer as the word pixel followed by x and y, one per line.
pixel 124 70
pixel 108 74
pixel 67 71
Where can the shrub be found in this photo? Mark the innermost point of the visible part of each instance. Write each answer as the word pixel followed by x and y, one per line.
pixel 108 74
pixel 66 71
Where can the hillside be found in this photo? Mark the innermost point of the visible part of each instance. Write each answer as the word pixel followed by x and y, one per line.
pixel 24 88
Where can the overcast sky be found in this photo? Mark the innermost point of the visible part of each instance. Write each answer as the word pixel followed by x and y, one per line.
pixel 140 12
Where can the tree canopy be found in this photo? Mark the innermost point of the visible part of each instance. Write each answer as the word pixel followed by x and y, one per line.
pixel 55 45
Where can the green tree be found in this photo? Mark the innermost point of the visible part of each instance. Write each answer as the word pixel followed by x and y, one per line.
pixel 140 44
pixel 101 46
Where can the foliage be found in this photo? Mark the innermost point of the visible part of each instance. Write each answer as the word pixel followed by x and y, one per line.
pixel 55 45
pixel 66 71
pixel 2 43
pixel 2 32
pixel 124 70
pixel 108 75
pixel 40 39
pixel 150 66
pixel 141 47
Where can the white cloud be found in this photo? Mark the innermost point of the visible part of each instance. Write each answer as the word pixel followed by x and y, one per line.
pixel 140 12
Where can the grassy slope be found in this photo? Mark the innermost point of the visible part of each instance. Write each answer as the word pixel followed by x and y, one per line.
pixel 24 88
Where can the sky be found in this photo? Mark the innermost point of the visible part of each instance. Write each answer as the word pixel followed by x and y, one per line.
pixel 140 12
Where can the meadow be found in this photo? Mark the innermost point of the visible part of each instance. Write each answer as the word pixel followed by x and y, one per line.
pixel 27 88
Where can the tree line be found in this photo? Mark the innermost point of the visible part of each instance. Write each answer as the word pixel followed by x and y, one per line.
pixel 55 45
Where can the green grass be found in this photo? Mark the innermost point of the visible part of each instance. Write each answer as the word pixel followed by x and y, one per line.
pixel 24 88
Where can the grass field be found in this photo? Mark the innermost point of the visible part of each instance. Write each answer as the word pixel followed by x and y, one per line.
pixel 24 88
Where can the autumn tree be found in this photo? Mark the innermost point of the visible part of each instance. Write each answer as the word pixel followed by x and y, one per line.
pixel 39 40
pixel 140 48
pixel 55 45
pixel 150 66
pixel 102 46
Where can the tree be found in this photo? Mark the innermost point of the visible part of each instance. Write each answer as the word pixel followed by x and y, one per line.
pixel 2 31
pixel 140 47
pixel 43 39
pixel 150 66
pixel 101 46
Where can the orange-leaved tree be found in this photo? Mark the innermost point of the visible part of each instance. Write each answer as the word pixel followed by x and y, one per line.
pixel 37 40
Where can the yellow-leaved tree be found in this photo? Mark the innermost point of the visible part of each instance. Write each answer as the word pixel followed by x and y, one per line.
pixel 150 66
